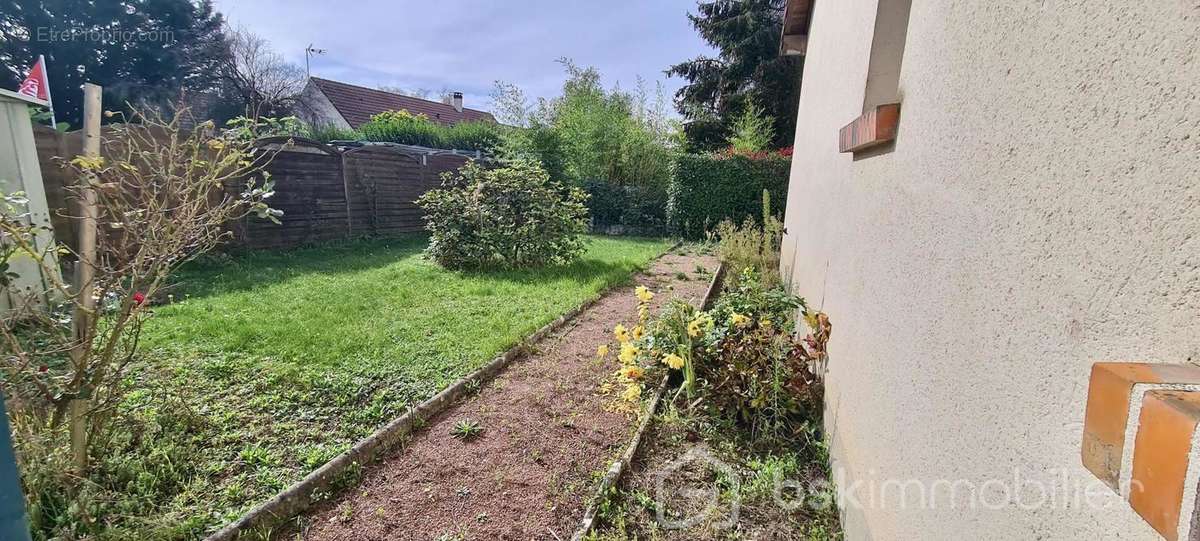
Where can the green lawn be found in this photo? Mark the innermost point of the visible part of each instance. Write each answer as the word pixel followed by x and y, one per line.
pixel 269 364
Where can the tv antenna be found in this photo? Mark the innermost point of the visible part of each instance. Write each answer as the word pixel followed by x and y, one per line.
pixel 308 53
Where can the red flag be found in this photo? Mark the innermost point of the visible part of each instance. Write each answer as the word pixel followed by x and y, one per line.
pixel 35 85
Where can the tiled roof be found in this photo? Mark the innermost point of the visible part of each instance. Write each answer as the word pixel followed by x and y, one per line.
pixel 357 104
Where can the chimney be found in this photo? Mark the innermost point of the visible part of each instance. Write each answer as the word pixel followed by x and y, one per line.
pixel 456 100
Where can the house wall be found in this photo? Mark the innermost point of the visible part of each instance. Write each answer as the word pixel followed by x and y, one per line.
pixel 1038 212
pixel 316 109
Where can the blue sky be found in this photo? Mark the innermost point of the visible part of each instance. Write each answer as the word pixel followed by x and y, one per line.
pixel 467 44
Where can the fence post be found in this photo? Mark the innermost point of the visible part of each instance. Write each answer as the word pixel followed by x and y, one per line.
pixel 346 190
pixel 85 272
pixel 12 499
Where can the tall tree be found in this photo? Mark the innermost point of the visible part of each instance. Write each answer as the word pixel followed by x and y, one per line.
pixel 748 69
pixel 258 77
pixel 140 51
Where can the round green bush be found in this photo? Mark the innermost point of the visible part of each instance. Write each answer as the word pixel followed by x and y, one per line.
pixel 506 217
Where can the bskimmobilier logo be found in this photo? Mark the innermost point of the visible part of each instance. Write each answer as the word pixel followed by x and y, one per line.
pixel 697 488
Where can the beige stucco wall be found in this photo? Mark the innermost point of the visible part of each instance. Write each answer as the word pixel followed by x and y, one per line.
pixel 1040 211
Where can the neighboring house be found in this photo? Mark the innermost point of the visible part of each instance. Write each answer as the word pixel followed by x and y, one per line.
pixel 1030 207
pixel 332 103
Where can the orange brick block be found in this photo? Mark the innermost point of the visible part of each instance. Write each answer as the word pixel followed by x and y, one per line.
pixel 1164 478
pixel 1115 395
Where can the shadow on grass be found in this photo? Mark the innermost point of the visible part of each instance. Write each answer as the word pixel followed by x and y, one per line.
pixel 582 270
pixel 246 270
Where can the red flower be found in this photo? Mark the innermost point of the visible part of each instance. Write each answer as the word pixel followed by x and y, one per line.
pixel 139 298
pixel 43 369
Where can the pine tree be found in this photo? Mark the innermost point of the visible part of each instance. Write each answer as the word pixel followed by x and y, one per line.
pixel 748 68
pixel 140 51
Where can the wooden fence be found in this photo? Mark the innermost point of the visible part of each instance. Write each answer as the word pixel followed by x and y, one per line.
pixel 325 193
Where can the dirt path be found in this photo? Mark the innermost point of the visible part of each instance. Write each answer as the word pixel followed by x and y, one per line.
pixel 547 437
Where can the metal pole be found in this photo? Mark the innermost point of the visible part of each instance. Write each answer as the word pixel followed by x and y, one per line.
pixel 12 500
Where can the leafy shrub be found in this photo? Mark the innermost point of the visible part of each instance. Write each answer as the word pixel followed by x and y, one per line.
pixel 409 129
pixel 591 135
pixel 752 246
pixel 327 132
pixel 482 136
pixel 739 361
pixel 758 372
pixel 404 128
pixel 537 142
pixel 512 216
pixel 706 189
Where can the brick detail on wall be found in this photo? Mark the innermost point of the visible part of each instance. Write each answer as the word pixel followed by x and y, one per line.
pixel 1166 442
pixel 1140 438
pixel 875 127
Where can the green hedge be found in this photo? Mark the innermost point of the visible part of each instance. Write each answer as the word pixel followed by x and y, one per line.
pixel 409 129
pixel 706 189
pixel 641 209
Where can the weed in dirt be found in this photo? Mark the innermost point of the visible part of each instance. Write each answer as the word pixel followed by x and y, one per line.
pixel 345 512
pixel 753 479
pixel 682 276
pixel 467 429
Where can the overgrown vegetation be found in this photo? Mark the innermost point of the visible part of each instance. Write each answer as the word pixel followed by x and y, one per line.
pixel 744 427
pixel 693 470
pixel 707 189
pixel 752 245
pixel 504 217
pixel 261 367
pixel 409 129
pixel 620 144
pixel 160 200
pixel 744 424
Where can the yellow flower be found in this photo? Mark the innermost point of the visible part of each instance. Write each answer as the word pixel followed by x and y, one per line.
pixel 694 329
pixel 628 353
pixel 643 312
pixel 632 392
pixel 216 144
pixel 88 163
pixel 602 351
pixel 738 320
pixel 764 322
pixel 633 372
pixel 643 294
pixel 621 334
pixel 638 332
pixel 674 361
